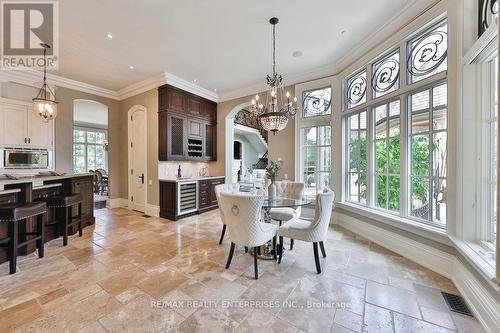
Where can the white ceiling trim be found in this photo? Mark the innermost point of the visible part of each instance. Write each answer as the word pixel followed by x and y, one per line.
pixel 32 78
pixel 142 86
pixel 191 87
pixel 403 17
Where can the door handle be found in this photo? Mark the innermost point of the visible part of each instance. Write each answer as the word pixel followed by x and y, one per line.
pixel 142 178
pixel 25 140
pixel 29 140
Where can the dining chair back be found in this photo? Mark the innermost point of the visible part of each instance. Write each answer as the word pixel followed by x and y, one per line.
pixel 314 231
pixel 229 188
pixel 242 215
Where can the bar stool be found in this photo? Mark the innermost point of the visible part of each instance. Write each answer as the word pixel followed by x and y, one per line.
pixel 12 214
pixel 64 203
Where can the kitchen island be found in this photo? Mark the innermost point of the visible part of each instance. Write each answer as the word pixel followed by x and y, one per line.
pixel 28 189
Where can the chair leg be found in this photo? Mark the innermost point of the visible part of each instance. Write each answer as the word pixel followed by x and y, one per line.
pixel 222 234
pixel 13 234
pixel 281 249
pixel 80 231
pixel 291 244
pixel 231 251
pixel 274 248
pixel 322 246
pixel 40 224
pixel 255 262
pixel 316 257
pixel 65 226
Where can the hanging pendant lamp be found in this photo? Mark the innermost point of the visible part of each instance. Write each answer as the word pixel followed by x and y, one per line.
pixel 44 104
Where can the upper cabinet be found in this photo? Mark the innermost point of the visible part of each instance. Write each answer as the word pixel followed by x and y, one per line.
pixel 20 127
pixel 187 126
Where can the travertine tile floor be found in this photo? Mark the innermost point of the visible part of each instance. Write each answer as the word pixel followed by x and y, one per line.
pixel 136 274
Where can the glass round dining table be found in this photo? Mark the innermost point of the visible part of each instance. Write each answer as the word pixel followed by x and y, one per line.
pixel 266 251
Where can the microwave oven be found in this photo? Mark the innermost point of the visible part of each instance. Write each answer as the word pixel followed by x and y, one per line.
pixel 25 158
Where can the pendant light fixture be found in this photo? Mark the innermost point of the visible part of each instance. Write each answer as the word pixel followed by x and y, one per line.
pixel 275 113
pixel 44 104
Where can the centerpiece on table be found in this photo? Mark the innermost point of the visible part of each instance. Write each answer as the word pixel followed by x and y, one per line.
pixel 272 170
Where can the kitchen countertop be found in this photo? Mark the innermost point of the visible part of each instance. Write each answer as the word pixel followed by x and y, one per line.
pixel 178 180
pixel 39 180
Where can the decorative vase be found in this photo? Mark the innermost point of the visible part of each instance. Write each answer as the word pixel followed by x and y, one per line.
pixel 270 189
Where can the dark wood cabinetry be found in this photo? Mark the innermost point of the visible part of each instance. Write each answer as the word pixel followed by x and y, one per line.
pixel 206 193
pixel 187 126
pixel 171 195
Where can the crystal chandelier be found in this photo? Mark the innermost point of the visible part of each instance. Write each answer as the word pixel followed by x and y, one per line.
pixel 44 104
pixel 275 113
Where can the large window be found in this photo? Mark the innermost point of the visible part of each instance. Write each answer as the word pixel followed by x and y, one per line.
pixel 317 158
pixel 387 150
pixel 428 114
pixel 357 162
pixel 89 151
pixel 490 148
pixel 396 152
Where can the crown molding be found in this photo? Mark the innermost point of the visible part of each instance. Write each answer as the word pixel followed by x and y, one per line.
pixel 142 86
pixel 191 87
pixel 32 77
pixel 399 20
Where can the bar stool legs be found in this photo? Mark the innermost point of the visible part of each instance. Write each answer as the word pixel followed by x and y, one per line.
pixel 40 230
pixel 12 248
pixel 68 222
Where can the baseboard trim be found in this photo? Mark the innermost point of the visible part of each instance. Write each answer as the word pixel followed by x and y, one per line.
pixel 427 256
pixel 484 306
pixel 116 203
pixel 152 210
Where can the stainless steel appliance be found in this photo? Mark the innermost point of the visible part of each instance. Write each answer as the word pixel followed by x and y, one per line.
pixel 187 197
pixel 25 158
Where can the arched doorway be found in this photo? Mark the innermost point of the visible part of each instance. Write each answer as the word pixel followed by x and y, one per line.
pixel 90 145
pixel 229 138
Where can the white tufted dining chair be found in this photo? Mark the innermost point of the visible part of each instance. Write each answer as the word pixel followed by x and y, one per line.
pixel 311 231
pixel 293 190
pixel 242 215
pixel 230 188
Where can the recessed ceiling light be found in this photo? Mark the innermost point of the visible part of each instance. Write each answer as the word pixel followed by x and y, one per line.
pixel 131 68
pixel 195 80
pixel 297 54
pixel 110 36
pixel 215 89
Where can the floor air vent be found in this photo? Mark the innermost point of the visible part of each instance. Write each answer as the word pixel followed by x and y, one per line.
pixel 457 304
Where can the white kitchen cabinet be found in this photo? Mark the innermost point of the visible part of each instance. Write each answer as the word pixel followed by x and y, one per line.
pixel 40 132
pixel 20 127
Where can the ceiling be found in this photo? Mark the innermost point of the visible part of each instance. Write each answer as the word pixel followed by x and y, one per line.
pixel 90 113
pixel 223 44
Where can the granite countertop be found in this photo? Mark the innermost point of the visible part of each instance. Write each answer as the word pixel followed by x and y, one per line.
pixel 177 180
pixel 38 180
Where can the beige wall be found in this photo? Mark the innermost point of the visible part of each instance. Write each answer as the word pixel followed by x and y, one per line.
pixel 149 100
pixel 117 136
pixel 280 145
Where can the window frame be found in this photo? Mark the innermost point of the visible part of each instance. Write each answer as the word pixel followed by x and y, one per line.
pixel 405 89
pixel 484 186
pixel 320 120
pixel 320 115
pixel 86 144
